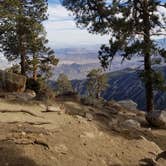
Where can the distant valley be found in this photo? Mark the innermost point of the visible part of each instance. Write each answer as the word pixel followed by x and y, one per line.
pixel 77 62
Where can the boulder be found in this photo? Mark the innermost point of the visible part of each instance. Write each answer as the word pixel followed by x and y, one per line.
pixel 128 104
pixel 53 109
pixel 157 119
pixel 110 105
pixel 130 123
pixel 25 96
pixel 10 82
pixel 89 116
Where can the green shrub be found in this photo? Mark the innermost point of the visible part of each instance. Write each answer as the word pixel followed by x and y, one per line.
pixel 98 103
pixel 43 91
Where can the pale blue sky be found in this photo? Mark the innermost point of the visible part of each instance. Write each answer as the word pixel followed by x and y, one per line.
pixel 62 31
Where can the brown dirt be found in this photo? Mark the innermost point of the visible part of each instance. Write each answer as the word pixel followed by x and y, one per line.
pixel 71 140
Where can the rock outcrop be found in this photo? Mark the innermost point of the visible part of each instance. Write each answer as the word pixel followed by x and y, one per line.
pixel 128 104
pixel 130 123
pixel 157 119
pixel 10 82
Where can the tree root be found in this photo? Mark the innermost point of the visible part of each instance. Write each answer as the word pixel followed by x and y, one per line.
pixel 26 142
pixel 30 123
pixel 20 111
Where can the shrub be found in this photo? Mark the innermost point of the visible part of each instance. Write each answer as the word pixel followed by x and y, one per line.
pixel 43 91
pixel 99 103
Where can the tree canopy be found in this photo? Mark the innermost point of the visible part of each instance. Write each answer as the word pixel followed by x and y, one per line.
pixel 132 26
pixel 97 82
pixel 23 36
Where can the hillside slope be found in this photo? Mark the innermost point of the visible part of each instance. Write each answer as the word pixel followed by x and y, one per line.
pixel 126 84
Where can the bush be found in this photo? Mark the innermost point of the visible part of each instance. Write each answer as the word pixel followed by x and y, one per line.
pixel 33 85
pixel 99 103
pixel 43 91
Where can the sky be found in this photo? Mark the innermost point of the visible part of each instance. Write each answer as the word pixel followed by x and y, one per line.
pixel 62 31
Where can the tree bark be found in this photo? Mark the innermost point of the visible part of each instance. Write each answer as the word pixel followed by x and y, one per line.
pixel 34 69
pixel 147 60
pixel 23 62
pixel 21 44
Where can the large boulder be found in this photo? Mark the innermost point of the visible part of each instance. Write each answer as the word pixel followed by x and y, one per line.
pixel 157 118
pixel 10 82
pixel 128 104
pixel 130 123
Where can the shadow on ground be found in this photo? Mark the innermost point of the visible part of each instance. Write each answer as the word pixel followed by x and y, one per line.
pixel 11 155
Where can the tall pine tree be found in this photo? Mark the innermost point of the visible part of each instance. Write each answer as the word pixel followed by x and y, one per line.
pixel 131 25
pixel 17 20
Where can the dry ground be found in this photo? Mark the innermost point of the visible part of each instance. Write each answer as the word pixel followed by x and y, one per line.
pixel 59 139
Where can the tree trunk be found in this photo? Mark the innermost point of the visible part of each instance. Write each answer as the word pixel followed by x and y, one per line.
pixel 21 44
pixel 23 63
pixel 147 60
pixel 34 68
pixel 35 72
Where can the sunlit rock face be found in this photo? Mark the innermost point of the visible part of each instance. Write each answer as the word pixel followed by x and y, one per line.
pixel 10 82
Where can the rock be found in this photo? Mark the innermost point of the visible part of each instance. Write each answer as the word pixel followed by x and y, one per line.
pixel 103 114
pixel 116 162
pixel 25 96
pixel 162 155
pixel 148 162
pixel 113 105
pixel 43 106
pixel 157 119
pixel 112 110
pixel 53 109
pixel 61 149
pixel 130 123
pixel 128 104
pixel 113 122
pixel 88 116
pixel 81 119
pixel 10 82
pixel 30 93
pixel 87 135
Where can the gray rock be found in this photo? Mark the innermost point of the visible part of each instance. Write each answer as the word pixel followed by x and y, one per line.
pixel 88 116
pixel 157 119
pixel 113 122
pixel 53 109
pixel 130 123
pixel 128 104
pixel 112 110
pixel 25 96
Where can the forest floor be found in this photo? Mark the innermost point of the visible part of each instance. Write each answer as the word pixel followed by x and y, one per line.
pixel 29 136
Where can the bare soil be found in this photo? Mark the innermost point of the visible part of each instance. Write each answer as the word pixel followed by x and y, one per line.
pixel 69 139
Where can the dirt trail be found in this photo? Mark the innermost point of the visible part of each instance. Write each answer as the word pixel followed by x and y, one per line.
pixel 66 141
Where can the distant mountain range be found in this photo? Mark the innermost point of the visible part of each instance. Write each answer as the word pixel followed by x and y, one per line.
pixel 74 71
pixel 77 62
pixel 126 84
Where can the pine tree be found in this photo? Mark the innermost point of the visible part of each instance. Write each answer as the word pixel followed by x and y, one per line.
pixel 64 85
pixel 41 57
pixel 18 18
pixel 97 83
pixel 131 25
